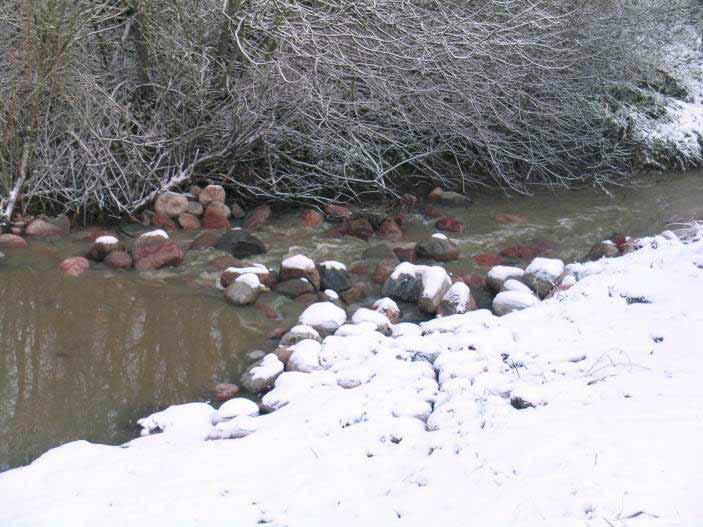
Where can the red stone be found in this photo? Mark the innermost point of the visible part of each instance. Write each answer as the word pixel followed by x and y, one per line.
pixel 118 260
pixel 336 211
pixel 223 262
pixel 11 241
pixel 405 254
pixel 205 240
pixel 487 260
pixel 46 228
pixel 511 218
pixel 390 230
pixel 155 252
pixel 356 293
pixel 213 219
pixel 188 222
pixel 75 266
pixel 268 312
pixel 258 217
pixel 311 218
pixel 211 194
pixel 224 392
pixel 473 280
pixel 359 269
pixel 163 222
pixel 619 240
pixel 435 194
pixel 433 213
pixel 360 228
pixel 522 252
pixel 383 270
pixel 449 225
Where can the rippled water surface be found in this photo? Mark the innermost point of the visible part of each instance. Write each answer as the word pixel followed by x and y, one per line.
pixel 84 358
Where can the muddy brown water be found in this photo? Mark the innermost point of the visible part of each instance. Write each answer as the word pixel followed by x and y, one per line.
pixel 85 358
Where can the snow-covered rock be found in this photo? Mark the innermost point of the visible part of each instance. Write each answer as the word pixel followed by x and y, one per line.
pixel 516 285
pixel 389 308
pixel 300 266
pixel 423 284
pixel 456 300
pixel 189 420
pixel 298 333
pixel 305 357
pixel 509 301
pixel 325 317
pixel 334 276
pixel 499 274
pixel 235 408
pixel 261 375
pixel 542 275
pixel 235 428
pixel 376 318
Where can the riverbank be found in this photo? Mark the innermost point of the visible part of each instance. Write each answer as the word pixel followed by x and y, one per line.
pixel 580 410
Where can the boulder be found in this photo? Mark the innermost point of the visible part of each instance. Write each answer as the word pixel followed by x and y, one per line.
pixel 240 244
pixel 356 293
pixel 457 300
pixel 74 266
pixel 12 241
pixel 188 222
pixel 379 320
pixel 162 221
pixel 244 291
pixel 258 217
pixel 383 270
pixel 224 392
pixel 300 266
pixel 509 301
pixel 449 225
pixel 542 275
pixel 233 408
pixel 389 308
pixel 334 211
pixel 438 249
pixel 604 249
pixel 103 246
pixel 423 284
pixel 170 204
pixel 261 375
pixel 311 218
pixel 205 240
pixel 195 208
pixel 154 250
pixel 215 217
pixel 515 285
pixel 359 228
pixel 324 317
pixel 118 259
pixel 45 228
pixel 211 194
pixel 265 276
pixel 334 276
pixel 294 287
pixel 488 259
pixel 499 274
pixel 379 252
pixel 299 333
pixel 390 230
pixel 305 357
pixel 448 198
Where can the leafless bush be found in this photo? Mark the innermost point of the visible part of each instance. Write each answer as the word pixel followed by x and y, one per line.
pixel 105 103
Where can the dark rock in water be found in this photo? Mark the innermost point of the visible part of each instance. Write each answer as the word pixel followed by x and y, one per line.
pixel 103 246
pixel 75 266
pixel 406 287
pixel 224 392
pixel 294 288
pixel 334 277
pixel 12 241
pixel 606 249
pixel 240 244
pixel 356 293
pixel 118 260
pixel 242 293
pixel 379 252
pixel 449 225
pixel 384 270
pixel 437 249
pixel 258 217
pixel 45 228
pixel 205 240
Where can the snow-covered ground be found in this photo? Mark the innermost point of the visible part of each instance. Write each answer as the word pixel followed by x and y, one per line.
pixel 584 410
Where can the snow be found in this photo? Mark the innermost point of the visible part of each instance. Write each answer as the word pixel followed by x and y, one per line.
pixel 508 301
pixel 157 233
pixel 458 295
pixel 424 429
pixel 305 356
pixel 331 294
pixel 516 285
pixel 253 269
pixel 331 264
pixel 107 240
pixel 548 269
pixel 440 235
pixel 375 317
pixel 298 333
pixel 323 316
pixel 250 279
pixel 500 273
pixel 300 262
pixel 236 407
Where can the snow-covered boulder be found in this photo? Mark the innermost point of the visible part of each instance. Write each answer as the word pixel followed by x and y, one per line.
pixel 325 317
pixel 352 330
pixel 406 329
pixel 294 384
pixel 305 356
pixel 389 308
pixel 245 290
pixel 516 285
pixel 542 275
pixel 299 333
pixel 187 420
pixel 438 249
pixel 265 276
pixel 235 408
pixel 509 301
pixel 423 284
pixel 300 266
pixel 456 300
pixel 261 375
pixel 375 317
pixel 334 276
pixel 499 274
pixel 235 428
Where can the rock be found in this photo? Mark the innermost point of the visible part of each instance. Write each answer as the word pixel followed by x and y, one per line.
pixel 448 198
pixel 405 253
pixel 389 308
pixel 359 228
pixel 294 287
pixel 378 252
pixel 311 218
pixel 336 211
pixel 162 221
pixel 409 200
pixel 224 262
pixel 449 225
pixel 103 246
pixel 244 291
pixel 298 333
pixel 300 266
pixel 170 204
pixel 74 266
pixel 457 300
pixel 355 293
pixel 383 270
pixel 2 256
pixel 45 228
pixel 154 250
pixel 509 301
pixel 515 285
pixel 189 222
pixel 473 280
pixel 233 408
pixel 221 209
pixel 258 217
pixel 434 194
pixel 211 194
pixel 195 191
pixel 12 241
pixel 195 208
pixel 261 375
pixel 240 244
pixel 234 428
pixel 118 260
pixel 378 319
pixel 390 230
pixel 205 240
pixel 334 276
pixel 521 252
pixel 359 269
pixel 437 249
pixel 231 274
pixel 423 284
pixel 499 274
pixel 215 217
pixel 542 275
pixel 488 259
pixel 325 317
pixel 305 357
pixel 308 299
pixel 224 392
pixel 511 218
pixel 604 249
pixel 237 210
pixel 433 213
